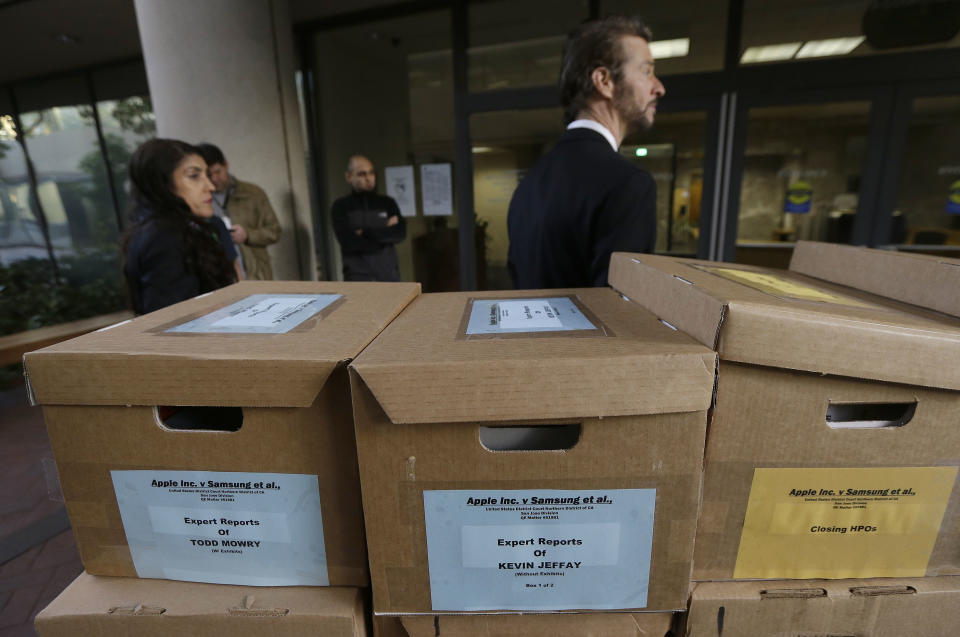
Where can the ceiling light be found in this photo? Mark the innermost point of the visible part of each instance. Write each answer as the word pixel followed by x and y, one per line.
pixel 640 152
pixel 833 46
pixel 677 48
pixel 770 52
pixel 476 150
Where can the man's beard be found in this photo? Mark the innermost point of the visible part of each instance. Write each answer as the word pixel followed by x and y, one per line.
pixel 633 114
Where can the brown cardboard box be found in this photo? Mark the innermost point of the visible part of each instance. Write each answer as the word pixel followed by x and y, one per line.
pixel 439 408
pixel 924 280
pixel 140 493
pixel 919 607
pixel 545 625
pixel 833 446
pixel 99 606
pixel 388 626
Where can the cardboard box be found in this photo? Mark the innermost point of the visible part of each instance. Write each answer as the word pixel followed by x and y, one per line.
pixel 388 626
pixel 95 606
pixel 174 493
pixel 920 607
pixel 559 432
pixel 925 280
pixel 544 625
pixel 833 446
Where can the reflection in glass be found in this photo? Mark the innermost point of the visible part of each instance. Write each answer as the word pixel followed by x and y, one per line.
pixel 126 123
pixel 689 35
pixel 21 233
pixel 71 178
pixel 928 205
pixel 788 30
pixel 519 44
pixel 74 198
pixel 801 176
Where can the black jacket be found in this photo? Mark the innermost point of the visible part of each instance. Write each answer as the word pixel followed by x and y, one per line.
pixel 156 266
pixel 579 203
pixel 372 240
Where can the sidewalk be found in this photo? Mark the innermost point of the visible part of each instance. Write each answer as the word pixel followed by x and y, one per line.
pixel 38 555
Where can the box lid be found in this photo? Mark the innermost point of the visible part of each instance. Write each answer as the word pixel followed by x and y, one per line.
pixel 256 343
pixel 430 365
pixel 921 607
pixel 94 605
pixel 783 319
pixel 925 280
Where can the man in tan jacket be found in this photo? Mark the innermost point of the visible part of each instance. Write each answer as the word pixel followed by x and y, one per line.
pixel 246 210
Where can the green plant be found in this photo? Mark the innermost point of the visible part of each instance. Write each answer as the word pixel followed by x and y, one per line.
pixel 30 297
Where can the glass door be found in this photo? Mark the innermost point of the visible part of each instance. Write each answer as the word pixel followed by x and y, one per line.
pixel 921 192
pixel 803 169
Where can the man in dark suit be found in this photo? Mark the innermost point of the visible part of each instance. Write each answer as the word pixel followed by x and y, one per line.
pixel 582 201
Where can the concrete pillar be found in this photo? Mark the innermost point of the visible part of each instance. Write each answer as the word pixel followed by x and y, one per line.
pixel 222 71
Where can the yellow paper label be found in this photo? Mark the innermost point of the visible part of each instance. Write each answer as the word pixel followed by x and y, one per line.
pixel 839 523
pixel 779 286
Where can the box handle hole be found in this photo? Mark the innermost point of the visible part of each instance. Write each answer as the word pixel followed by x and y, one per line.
pixel 538 438
pixel 875 591
pixel 869 415
pixel 224 419
pixel 793 593
pixel 137 609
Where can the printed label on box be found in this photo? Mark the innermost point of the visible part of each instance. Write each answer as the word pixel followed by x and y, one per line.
pixel 513 316
pixel 782 287
pixel 842 523
pixel 260 314
pixel 539 550
pixel 255 529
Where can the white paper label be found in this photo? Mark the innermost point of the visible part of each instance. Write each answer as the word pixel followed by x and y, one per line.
pixel 527 314
pixel 260 314
pixel 256 529
pixel 266 313
pixel 539 550
pixel 506 316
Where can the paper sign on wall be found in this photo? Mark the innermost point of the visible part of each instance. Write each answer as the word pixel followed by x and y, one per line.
pixel 260 314
pixel 435 184
pixel 256 529
pixel 400 186
pixel 539 550
pixel 512 316
pixel 842 523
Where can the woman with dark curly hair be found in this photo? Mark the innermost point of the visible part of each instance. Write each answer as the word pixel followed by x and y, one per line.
pixel 173 251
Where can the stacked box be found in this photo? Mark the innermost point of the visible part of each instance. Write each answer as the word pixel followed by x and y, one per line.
pixel 919 607
pixel 923 280
pixel 529 451
pixel 567 624
pixel 832 450
pixel 213 440
pixel 94 606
